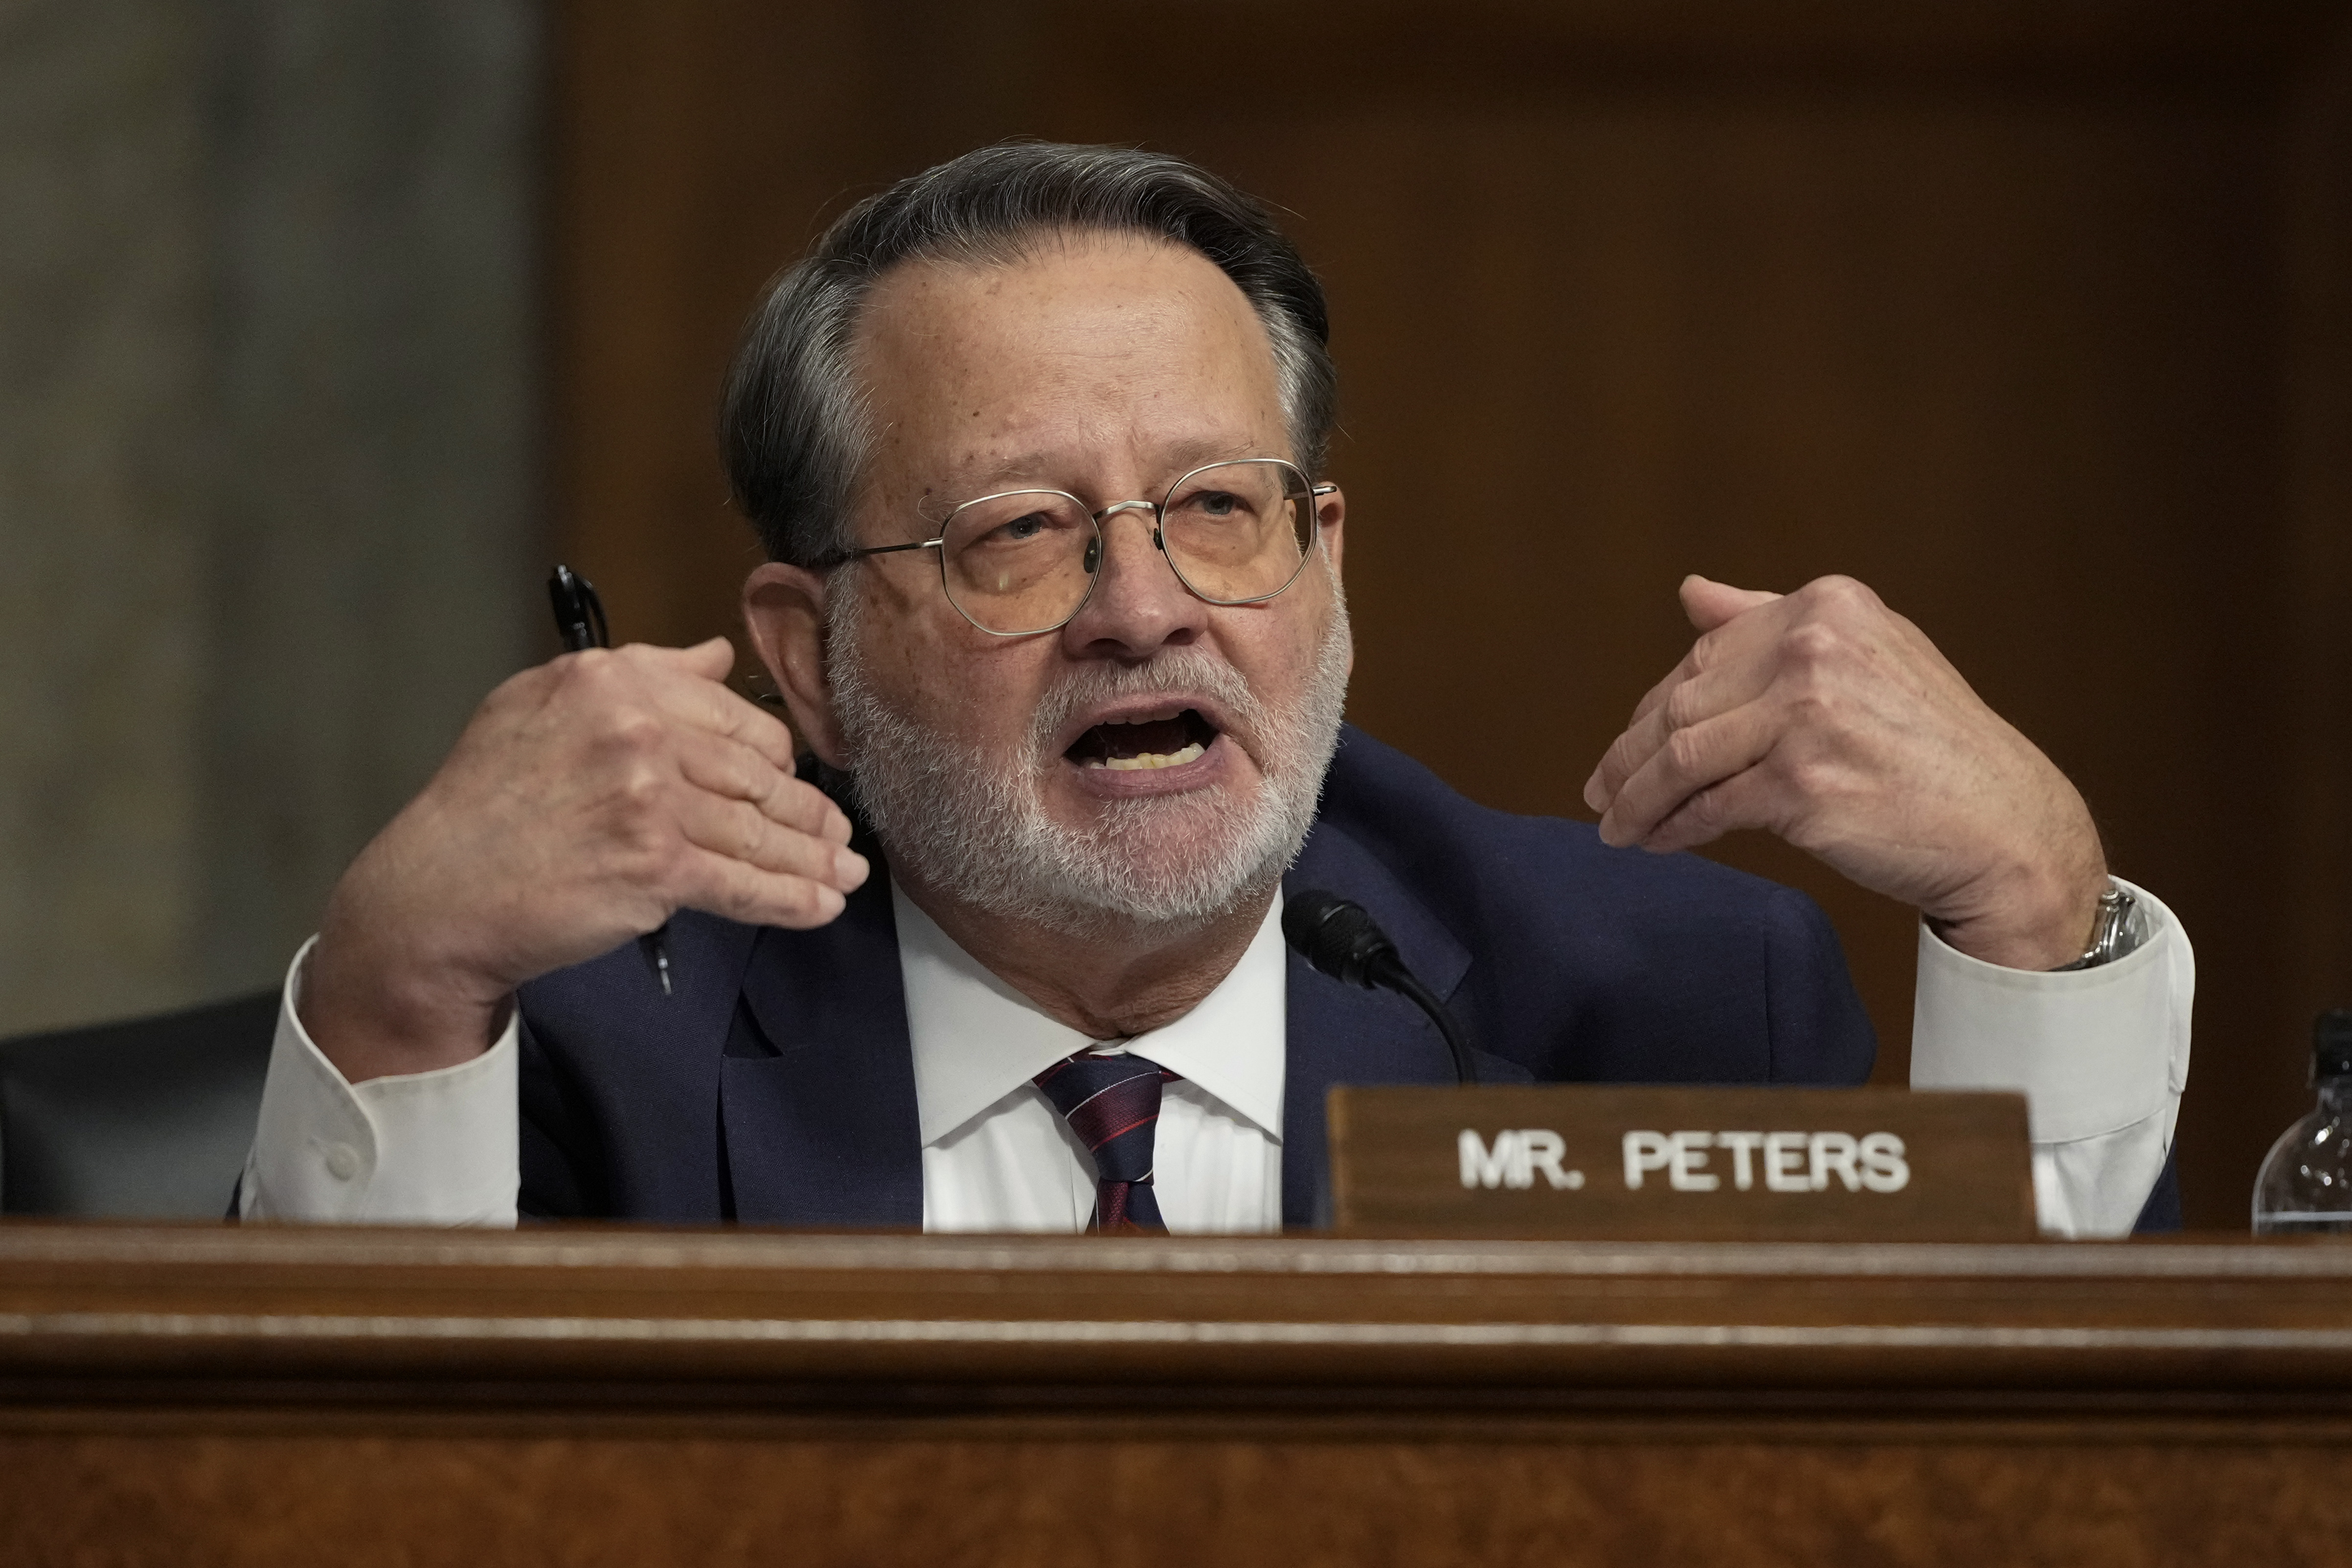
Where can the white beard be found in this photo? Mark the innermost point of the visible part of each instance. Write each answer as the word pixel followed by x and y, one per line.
pixel 971 823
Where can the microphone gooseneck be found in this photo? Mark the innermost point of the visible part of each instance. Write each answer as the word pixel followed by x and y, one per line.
pixel 1343 940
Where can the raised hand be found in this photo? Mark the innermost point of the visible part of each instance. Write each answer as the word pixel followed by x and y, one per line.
pixel 1826 719
pixel 587 800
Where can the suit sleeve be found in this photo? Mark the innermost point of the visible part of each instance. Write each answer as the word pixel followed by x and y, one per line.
pixel 561 1152
pixel 1819 1030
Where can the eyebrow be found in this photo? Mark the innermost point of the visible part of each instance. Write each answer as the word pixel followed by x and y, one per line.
pixel 1013 473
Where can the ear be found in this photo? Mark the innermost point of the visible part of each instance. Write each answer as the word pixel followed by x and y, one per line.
pixel 1331 525
pixel 783 609
pixel 1332 531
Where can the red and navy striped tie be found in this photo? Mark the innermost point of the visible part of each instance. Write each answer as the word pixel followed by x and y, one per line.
pixel 1112 1103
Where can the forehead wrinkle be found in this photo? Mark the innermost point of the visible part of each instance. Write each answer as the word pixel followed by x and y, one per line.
pixel 1039 442
pixel 1186 311
pixel 1135 365
pixel 1163 460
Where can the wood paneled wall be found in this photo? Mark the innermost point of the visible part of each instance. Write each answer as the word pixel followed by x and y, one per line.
pixel 2037 323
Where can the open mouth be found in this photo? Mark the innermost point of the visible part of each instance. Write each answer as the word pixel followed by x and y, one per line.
pixel 1168 743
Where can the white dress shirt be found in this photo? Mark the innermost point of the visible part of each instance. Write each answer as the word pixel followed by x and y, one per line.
pixel 2102 1056
pixel 997 1156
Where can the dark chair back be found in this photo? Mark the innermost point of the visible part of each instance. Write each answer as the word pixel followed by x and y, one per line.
pixel 149 1118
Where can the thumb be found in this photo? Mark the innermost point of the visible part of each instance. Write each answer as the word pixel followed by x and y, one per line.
pixel 1710 603
pixel 713 660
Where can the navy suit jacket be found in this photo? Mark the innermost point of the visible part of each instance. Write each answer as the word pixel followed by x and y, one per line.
pixel 778 1084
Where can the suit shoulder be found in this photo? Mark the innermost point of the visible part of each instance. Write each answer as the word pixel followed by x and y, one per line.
pixel 1591 962
pixel 1456 852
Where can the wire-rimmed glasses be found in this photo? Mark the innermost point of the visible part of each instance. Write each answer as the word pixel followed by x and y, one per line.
pixel 1023 561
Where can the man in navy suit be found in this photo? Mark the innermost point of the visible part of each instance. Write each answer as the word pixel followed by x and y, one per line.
pixel 1033 442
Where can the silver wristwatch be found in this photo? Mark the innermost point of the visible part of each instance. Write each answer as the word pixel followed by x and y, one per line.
pixel 2112 934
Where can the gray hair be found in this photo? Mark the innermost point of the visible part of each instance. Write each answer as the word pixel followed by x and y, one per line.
pixel 794 426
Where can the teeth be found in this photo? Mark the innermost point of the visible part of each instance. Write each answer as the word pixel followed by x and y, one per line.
pixel 1190 752
pixel 1150 716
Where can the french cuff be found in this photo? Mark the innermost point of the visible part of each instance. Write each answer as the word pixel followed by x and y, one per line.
pixel 2101 1054
pixel 430 1148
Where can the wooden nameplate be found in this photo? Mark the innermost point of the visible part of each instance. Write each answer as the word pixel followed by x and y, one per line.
pixel 1682 1165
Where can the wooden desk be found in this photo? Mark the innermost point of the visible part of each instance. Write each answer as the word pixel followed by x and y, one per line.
pixel 265 1396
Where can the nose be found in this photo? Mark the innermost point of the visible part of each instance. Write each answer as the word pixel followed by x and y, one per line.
pixel 1138 606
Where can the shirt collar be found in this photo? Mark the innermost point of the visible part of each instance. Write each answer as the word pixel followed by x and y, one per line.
pixel 976 1039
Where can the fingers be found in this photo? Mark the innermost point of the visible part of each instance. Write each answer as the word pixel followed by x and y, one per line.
pixel 1692 664
pixel 1775 674
pixel 1743 800
pixel 1713 680
pixel 741 892
pixel 1723 643
pixel 1628 751
pixel 686 686
pixel 739 717
pixel 1697 758
pixel 697 768
pixel 733 770
pixel 703 700
pixel 737 830
pixel 1730 664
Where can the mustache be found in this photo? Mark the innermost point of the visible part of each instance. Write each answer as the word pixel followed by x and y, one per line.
pixel 1175 671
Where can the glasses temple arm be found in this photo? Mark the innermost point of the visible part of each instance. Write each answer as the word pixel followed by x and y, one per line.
pixel 890 549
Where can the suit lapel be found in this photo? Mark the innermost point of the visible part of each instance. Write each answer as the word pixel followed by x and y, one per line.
pixel 1342 1034
pixel 817 1086
pixel 817 1104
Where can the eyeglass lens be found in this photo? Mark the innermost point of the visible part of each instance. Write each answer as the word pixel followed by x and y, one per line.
pixel 1024 561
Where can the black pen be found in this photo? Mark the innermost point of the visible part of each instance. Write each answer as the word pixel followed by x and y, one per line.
pixel 580 622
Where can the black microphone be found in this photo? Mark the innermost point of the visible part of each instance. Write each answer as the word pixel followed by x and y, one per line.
pixel 1343 940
